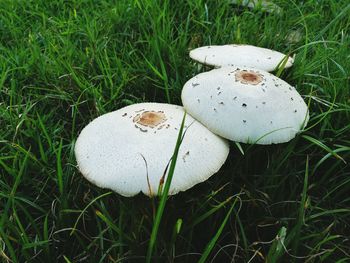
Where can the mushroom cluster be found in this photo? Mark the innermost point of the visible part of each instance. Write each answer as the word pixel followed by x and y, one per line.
pixel 128 150
pixel 240 100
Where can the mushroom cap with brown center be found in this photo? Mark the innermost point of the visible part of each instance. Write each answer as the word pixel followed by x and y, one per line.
pixel 245 105
pixel 128 150
pixel 150 118
pixel 248 77
pixel 239 55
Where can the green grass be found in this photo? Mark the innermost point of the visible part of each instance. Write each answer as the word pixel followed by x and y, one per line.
pixel 63 63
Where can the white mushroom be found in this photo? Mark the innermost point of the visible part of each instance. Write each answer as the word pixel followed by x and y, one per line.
pixel 246 105
pixel 266 6
pixel 128 150
pixel 240 55
pixel 294 36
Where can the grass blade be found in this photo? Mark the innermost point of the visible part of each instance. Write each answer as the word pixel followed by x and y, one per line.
pixel 165 192
pixel 212 242
pixel 59 168
pixel 86 207
pixel 324 147
pixel 277 247
pixel 302 208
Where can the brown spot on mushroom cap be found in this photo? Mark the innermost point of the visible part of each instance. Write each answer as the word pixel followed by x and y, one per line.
pixel 248 77
pixel 150 118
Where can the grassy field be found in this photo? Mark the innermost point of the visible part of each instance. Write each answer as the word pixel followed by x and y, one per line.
pixel 63 63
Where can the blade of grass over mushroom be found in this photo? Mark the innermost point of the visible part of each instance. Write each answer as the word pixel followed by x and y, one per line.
pixel 239 146
pixel 282 65
pixel 164 196
pixel 161 181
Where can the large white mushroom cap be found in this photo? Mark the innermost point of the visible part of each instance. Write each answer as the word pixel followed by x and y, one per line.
pixel 239 55
pixel 245 105
pixel 128 150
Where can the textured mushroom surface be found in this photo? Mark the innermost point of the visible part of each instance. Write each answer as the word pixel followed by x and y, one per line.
pixel 128 150
pixel 239 55
pixel 245 105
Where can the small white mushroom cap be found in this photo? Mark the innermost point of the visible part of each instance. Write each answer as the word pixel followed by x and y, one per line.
pixel 294 36
pixel 128 150
pixel 267 6
pixel 239 55
pixel 245 105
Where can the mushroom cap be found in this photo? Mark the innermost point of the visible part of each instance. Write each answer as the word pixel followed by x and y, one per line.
pixel 120 149
pixel 263 4
pixel 245 105
pixel 239 55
